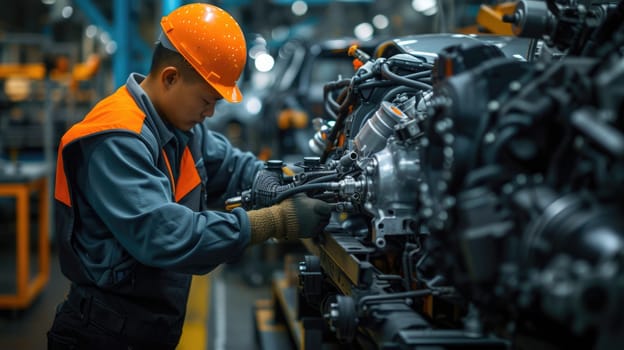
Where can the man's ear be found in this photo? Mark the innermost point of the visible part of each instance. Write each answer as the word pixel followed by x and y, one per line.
pixel 169 76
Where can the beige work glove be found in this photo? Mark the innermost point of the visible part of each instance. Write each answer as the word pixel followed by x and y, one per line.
pixel 297 217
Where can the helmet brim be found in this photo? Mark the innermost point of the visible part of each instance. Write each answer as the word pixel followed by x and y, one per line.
pixel 231 94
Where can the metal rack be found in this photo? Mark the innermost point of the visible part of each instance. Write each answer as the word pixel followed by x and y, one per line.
pixel 20 183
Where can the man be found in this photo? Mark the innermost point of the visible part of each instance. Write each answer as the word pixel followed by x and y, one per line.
pixel 134 183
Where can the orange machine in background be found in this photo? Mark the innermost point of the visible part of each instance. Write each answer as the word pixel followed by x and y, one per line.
pixel 31 93
pixel 490 20
pixel 60 70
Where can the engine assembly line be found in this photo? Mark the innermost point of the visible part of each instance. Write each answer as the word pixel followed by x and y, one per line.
pixel 476 194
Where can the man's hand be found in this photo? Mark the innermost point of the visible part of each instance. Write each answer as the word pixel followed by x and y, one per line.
pixel 297 217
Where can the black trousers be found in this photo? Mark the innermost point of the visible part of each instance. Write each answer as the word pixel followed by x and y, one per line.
pixel 75 328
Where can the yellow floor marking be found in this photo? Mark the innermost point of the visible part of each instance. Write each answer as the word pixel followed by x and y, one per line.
pixel 194 331
pixel 266 322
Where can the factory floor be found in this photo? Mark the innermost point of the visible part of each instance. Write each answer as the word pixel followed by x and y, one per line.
pixel 220 309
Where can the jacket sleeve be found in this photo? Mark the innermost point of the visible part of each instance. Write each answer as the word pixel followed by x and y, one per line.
pixel 133 199
pixel 229 169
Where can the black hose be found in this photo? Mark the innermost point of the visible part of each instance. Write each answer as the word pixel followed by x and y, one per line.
pixel 330 87
pixel 331 114
pixel 420 76
pixel 341 115
pixel 324 178
pixel 303 188
pixel 333 176
pixel 377 83
pixel 385 297
pixel 388 74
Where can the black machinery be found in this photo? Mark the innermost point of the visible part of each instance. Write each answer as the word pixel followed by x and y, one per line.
pixel 477 190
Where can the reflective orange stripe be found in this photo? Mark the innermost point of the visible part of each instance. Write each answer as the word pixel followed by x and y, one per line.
pixel 118 111
pixel 189 178
pixel 61 192
pixel 171 179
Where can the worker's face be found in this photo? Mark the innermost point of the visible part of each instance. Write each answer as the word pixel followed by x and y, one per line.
pixel 188 101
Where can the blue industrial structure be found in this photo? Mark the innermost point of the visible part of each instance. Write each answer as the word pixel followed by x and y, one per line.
pixel 132 53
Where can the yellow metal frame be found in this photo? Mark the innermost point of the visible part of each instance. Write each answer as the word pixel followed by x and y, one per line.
pixel 27 289
pixel 36 71
pixel 491 18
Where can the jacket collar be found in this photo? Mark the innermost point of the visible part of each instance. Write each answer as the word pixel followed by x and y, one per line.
pixel 165 131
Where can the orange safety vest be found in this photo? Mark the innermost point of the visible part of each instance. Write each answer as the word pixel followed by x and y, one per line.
pixel 120 113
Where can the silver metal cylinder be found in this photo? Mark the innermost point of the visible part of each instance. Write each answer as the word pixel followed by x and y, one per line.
pixel 374 134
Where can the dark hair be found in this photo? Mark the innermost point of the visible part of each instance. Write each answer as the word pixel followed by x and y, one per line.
pixel 163 57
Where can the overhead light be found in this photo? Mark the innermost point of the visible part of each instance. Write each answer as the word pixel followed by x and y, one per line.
pixel 253 105
pixel 17 88
pixel 363 31
pixel 91 31
pixel 110 47
pixel 264 62
pixel 426 7
pixel 48 2
pixel 380 21
pixel 299 8
pixel 67 11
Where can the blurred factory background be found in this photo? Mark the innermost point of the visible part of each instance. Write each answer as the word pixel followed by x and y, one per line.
pixel 58 57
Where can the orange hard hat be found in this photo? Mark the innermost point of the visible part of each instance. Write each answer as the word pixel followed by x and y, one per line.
pixel 211 41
